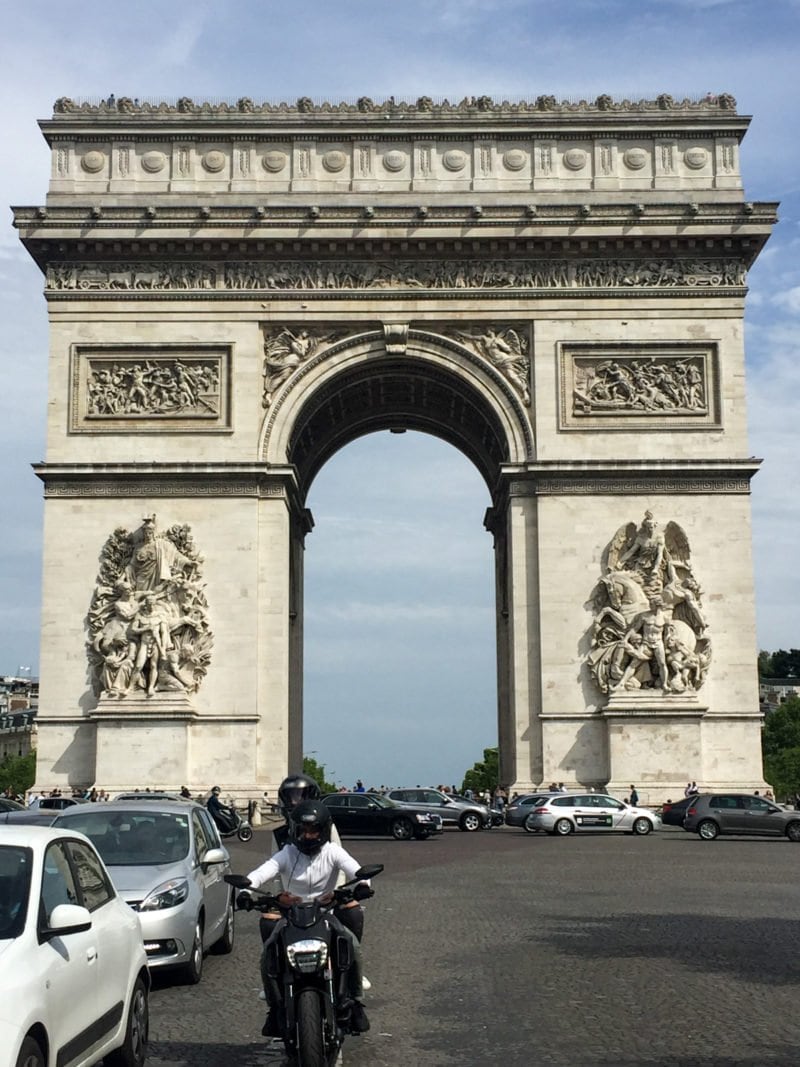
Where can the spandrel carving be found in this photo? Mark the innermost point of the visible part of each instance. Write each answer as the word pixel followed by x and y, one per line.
pixel 284 351
pixel 148 621
pixel 506 349
pixel 649 630
pixel 157 388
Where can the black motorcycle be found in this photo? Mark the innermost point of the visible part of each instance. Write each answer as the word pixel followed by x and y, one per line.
pixel 309 957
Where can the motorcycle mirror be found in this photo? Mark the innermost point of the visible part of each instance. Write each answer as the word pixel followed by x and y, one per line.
pixel 371 871
pixel 238 881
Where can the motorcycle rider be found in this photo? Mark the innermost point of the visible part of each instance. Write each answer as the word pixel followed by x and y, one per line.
pixel 308 867
pixel 222 815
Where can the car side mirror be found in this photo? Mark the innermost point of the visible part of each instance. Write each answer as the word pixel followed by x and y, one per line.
pixel 214 855
pixel 67 919
pixel 372 806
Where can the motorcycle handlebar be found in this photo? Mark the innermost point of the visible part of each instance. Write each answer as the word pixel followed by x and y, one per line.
pixel 248 897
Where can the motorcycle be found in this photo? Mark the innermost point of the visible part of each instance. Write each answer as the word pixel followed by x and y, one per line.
pixel 309 958
pixel 241 827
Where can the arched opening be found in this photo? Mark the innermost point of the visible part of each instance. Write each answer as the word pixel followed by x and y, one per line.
pixel 400 659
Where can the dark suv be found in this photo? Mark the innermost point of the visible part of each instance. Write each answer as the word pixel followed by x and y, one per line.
pixel 712 814
pixel 455 810
pixel 369 813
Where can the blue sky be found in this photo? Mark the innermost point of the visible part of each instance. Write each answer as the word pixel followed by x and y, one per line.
pixel 400 634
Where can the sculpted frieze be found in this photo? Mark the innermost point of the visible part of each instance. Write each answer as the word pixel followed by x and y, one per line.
pixel 283 275
pixel 148 627
pixel 649 631
pixel 669 386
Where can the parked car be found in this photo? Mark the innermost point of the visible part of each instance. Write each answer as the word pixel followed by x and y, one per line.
pixel 712 814
pixel 167 862
pixel 518 810
pixel 673 811
pixel 55 803
pixel 6 804
pixel 370 813
pixel 466 814
pixel 150 795
pixel 74 982
pixel 567 813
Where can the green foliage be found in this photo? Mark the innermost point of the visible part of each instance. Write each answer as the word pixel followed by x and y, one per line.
pixel 484 775
pixel 780 664
pixel 18 773
pixel 317 771
pixel 780 743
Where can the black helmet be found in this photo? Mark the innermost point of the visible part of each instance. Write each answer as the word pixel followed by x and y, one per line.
pixel 294 790
pixel 310 816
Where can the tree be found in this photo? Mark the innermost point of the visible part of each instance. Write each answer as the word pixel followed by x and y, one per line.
pixel 780 743
pixel 315 770
pixel 786 664
pixel 765 665
pixel 484 775
pixel 18 773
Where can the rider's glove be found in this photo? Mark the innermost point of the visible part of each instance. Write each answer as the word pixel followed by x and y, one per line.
pixel 363 892
pixel 244 902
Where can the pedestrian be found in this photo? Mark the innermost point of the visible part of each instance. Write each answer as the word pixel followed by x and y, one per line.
pixel 634 796
pixel 359 787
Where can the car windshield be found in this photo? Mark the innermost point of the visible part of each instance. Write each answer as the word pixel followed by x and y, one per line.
pixel 15 884
pixel 381 801
pixel 133 838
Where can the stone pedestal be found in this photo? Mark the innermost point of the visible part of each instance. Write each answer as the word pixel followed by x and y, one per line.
pixel 145 746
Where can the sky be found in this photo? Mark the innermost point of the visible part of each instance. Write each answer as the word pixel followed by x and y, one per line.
pixel 400 664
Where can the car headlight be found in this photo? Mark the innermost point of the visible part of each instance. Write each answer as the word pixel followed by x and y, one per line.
pixel 307 956
pixel 167 895
pixel 420 817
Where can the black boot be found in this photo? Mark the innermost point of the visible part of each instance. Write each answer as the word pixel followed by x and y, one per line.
pixel 359 1023
pixel 271 1027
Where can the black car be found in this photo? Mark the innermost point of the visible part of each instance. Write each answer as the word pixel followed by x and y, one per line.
pixel 674 811
pixel 370 813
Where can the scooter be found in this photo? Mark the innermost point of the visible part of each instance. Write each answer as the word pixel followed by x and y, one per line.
pixel 309 957
pixel 241 828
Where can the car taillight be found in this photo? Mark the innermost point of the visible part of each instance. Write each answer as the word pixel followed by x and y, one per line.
pixel 540 811
pixel 691 811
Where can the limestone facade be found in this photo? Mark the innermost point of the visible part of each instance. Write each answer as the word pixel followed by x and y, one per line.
pixel 236 291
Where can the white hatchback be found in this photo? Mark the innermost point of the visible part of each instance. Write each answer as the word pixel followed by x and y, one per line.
pixel 566 813
pixel 74 982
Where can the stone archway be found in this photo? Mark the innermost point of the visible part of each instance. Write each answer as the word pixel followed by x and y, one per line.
pixel 235 291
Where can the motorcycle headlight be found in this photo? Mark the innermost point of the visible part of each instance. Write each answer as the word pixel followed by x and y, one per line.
pixel 167 895
pixel 307 956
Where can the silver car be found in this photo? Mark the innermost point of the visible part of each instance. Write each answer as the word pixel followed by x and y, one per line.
pixel 567 813
pixel 167 862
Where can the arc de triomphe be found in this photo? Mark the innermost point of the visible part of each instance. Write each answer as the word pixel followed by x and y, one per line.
pixel 237 291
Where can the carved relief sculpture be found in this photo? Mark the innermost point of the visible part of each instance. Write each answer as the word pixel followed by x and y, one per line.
pixel 158 387
pixel 148 620
pixel 507 350
pixel 284 351
pixel 670 386
pixel 649 631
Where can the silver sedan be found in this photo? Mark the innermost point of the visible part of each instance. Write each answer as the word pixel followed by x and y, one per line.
pixel 567 813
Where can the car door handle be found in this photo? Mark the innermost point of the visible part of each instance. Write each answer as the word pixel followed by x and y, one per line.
pixel 91 954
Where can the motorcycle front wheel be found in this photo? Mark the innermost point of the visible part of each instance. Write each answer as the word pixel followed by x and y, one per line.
pixel 310 1036
pixel 244 833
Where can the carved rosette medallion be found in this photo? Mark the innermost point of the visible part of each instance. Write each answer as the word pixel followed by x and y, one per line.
pixel 148 627
pixel 635 158
pixel 93 161
pixel 454 159
pixel 214 161
pixel 395 160
pixel 334 161
pixel 514 159
pixel 274 161
pixel 575 159
pixel 695 158
pixel 153 162
pixel 649 633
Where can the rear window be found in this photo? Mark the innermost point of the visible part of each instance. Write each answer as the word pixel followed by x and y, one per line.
pixel 563 802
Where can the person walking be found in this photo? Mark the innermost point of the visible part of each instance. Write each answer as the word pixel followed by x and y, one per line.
pixel 634 797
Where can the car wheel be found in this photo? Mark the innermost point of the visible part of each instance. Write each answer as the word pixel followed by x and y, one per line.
pixel 563 827
pixel 225 943
pixel 531 825
pixel 30 1055
pixel 642 825
pixel 133 1052
pixel 708 829
pixel 193 970
pixel 402 829
pixel 793 831
pixel 470 822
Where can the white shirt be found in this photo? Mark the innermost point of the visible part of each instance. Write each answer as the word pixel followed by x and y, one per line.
pixel 307 877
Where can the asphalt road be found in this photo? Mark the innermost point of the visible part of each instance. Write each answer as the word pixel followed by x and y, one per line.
pixel 522 950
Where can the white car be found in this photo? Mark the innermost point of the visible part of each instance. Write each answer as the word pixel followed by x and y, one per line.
pixel 74 982
pixel 567 813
